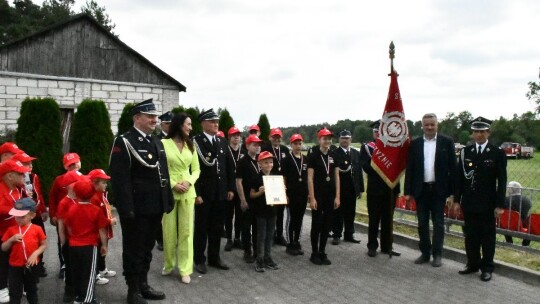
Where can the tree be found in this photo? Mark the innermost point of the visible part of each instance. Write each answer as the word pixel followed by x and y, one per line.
pixel 126 119
pixel 264 125
pixel 38 134
pixel 98 12
pixel 534 94
pixel 225 121
pixel 92 118
pixel 193 113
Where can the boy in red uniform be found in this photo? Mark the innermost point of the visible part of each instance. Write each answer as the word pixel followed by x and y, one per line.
pixel 12 178
pixel 32 187
pixel 72 162
pixel 85 223
pixel 99 180
pixel 8 150
pixel 26 242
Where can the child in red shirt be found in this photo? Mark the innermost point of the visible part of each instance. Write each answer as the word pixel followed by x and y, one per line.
pixel 26 242
pixel 85 223
pixel 99 179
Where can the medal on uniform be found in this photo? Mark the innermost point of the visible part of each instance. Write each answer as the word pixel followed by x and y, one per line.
pixel 149 156
pixel 209 153
pixel 298 168
pixel 300 179
pixel 326 167
pixel 328 178
pixel 346 162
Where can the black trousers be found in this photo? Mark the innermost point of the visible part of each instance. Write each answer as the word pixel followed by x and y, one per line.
pixel 60 254
pixel 100 260
pixel 233 211
pixel 68 274
pixel 4 266
pixel 159 235
pixel 265 233
pixel 209 218
pixel 280 214
pixel 83 260
pixel 22 278
pixel 249 231
pixel 321 220
pixel 380 212
pixel 345 214
pixel 429 203
pixel 295 210
pixel 480 234
pixel 138 239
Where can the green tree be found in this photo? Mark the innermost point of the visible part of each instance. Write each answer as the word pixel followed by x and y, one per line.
pixel 126 119
pixel 225 121
pixel 264 125
pixel 195 124
pixel 178 109
pixel 38 134
pixel 92 118
pixel 93 9
pixel 534 94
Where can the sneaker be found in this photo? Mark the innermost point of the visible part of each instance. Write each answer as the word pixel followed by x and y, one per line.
pixel 4 295
pixel 248 257
pixel 229 245
pixel 315 259
pixel 259 267
pixel 62 273
pixel 101 280
pixel 107 273
pixel 237 244
pixel 324 259
pixel 270 264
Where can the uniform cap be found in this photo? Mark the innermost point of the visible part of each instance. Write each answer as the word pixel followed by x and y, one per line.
pixel 23 157
pixel 83 189
pixel 9 147
pixel 234 130
pixel 253 139
pixel 264 155
pixel 98 173
pixel 480 123
pixel 12 166
pixel 208 115
pixel 70 178
pixel 324 132
pixel 276 132
pixel 295 137
pixel 70 159
pixel 166 117
pixel 345 134
pixel 254 128
pixel 145 107
pixel 23 206
pixel 220 134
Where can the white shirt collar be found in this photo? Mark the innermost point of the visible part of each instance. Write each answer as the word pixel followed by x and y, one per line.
pixel 210 137
pixel 345 149
pixel 482 145
pixel 142 133
pixel 434 138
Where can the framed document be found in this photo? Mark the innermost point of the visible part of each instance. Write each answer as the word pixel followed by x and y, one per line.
pixel 274 190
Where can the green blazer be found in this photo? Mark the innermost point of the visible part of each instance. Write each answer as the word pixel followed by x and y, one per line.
pixel 182 167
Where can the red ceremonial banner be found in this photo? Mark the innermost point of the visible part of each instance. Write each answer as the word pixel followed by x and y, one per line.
pixel 389 159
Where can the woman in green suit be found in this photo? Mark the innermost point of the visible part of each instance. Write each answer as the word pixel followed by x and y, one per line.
pixel 184 171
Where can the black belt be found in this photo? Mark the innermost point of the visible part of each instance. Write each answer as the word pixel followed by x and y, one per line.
pixel 429 186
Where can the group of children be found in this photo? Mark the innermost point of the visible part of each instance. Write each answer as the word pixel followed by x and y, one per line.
pixel 78 208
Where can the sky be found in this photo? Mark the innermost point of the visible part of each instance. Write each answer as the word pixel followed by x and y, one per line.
pixel 307 62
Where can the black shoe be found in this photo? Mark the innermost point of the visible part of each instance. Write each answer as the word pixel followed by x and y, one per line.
pixel 315 259
pixel 393 253
pixel 437 261
pixel 248 257
pixel 150 293
pixel 270 264
pixel 335 241
pixel 201 268
pixel 229 245
pixel 237 244
pixel 291 250
pixel 372 253
pixel 351 239
pixel 468 270
pixel 324 259
pixel 259 267
pixel 68 298
pixel 159 245
pixel 280 240
pixel 485 276
pixel 422 259
pixel 135 298
pixel 41 271
pixel 62 273
pixel 218 264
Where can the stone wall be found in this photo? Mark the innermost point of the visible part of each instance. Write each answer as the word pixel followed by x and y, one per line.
pixel 70 92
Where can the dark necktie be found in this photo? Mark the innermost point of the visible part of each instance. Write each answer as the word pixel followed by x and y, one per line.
pixel 149 138
pixel 479 150
pixel 214 143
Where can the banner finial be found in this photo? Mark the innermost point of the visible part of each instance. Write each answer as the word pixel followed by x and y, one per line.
pixel 392 55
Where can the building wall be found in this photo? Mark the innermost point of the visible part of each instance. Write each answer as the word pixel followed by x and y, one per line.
pixel 70 92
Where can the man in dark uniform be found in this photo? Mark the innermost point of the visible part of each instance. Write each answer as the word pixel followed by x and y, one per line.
pixel 380 209
pixel 140 180
pixel 280 152
pixel 351 184
pixel 480 193
pixel 165 123
pixel 214 186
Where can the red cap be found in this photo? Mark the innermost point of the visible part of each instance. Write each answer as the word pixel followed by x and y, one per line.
pixel 97 173
pixel 234 130
pixel 84 190
pixel 296 137
pixel 254 127
pixel 70 177
pixel 23 157
pixel 276 132
pixel 264 155
pixel 9 147
pixel 220 134
pixel 324 132
pixel 70 159
pixel 253 139
pixel 12 166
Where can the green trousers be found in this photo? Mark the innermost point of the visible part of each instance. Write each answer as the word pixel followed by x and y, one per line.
pixel 178 237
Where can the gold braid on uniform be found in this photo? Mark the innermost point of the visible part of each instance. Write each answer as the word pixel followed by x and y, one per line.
pixel 202 157
pixel 346 170
pixel 469 175
pixel 137 156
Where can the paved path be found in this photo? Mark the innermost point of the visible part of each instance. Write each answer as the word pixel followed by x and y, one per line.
pixel 352 278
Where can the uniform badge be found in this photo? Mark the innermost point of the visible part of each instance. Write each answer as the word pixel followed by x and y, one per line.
pixel 330 160
pixel 150 156
pixel 209 153
pixel 221 151
pixel 283 155
pixel 346 162
pixel 470 165
pixel 487 150
pixel 205 140
pixel 140 139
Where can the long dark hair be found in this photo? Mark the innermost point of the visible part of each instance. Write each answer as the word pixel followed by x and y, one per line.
pixel 175 130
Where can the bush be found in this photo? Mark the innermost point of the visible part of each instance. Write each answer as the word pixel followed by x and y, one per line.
pixel 264 125
pixel 38 134
pixel 195 124
pixel 126 120
pixel 91 135
pixel 225 121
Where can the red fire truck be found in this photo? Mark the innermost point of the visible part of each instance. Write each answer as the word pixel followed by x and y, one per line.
pixel 516 150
